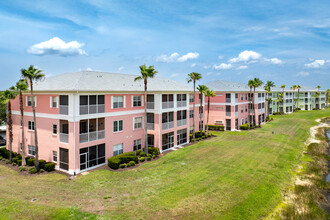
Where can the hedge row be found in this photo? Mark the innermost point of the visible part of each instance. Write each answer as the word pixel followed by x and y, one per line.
pixel 217 127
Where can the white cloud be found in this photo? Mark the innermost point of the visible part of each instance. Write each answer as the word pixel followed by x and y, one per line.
pixel 89 69
pixel 302 74
pixel 56 46
pixel 315 64
pixel 274 60
pixel 175 57
pixel 120 69
pixel 246 56
pixel 206 66
pixel 220 57
pixel 174 75
pixel 208 73
pixel 222 66
pixel 242 67
pixel 193 65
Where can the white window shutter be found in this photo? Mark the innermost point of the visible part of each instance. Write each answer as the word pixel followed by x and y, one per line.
pixel 132 104
pixel 111 102
pixel 124 101
pixel 35 101
pixel 57 102
pixel 142 100
pixel 51 102
pixel 26 100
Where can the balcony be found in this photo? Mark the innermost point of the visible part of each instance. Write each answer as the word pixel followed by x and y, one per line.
pixel 228 114
pixel 91 109
pixel 64 138
pixel 181 103
pixel 236 114
pixel 181 122
pixel 91 136
pixel 150 126
pixel 166 105
pixel 150 105
pixel 64 109
pixel 168 125
pixel 236 100
pixel 228 100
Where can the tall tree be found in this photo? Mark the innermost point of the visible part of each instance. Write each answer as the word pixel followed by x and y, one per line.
pixel 293 88
pixel 6 98
pixel 208 94
pixel 318 99
pixel 194 77
pixel 146 73
pixel 298 87
pixel 268 86
pixel 31 75
pixel 202 89
pixel 327 94
pixel 250 84
pixel 21 86
pixel 283 87
pixel 278 100
pixel 256 83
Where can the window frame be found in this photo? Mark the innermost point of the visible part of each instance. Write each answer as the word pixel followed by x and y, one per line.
pixel 31 126
pixel 136 101
pixel 30 151
pixel 118 150
pixel 135 123
pixel 55 161
pixel 118 125
pixel 115 101
pixel 137 144
pixel 55 125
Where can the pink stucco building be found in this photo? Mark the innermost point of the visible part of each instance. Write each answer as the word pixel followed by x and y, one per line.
pixel 86 117
pixel 230 106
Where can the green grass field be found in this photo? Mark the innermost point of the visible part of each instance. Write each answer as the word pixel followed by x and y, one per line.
pixel 236 175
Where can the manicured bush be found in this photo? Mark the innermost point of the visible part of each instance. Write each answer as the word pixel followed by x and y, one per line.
pixel 128 165
pixel 142 159
pixel 26 159
pixel 14 160
pixel 148 155
pixel 1 157
pixel 198 139
pixel 138 152
pixel 4 152
pixel 192 140
pixel 191 136
pixel 153 156
pixel 42 164
pixel 131 153
pixel 33 170
pixel 31 162
pixel 19 162
pixel 244 126
pixel 217 127
pixel 209 134
pixel 41 170
pixel 8 162
pixel 142 154
pixel 50 166
pixel 22 169
pixel 198 134
pixel 14 164
pixel 154 150
pixel 122 166
pixel 114 162
pixel 203 136
pixel 131 163
pixel 148 158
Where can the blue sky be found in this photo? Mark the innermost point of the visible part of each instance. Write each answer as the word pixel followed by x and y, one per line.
pixel 287 42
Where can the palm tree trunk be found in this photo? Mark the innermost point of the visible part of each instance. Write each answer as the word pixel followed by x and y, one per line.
pixel 249 113
pixel 298 100
pixel 200 113
pixel 254 110
pixel 10 128
pixel 194 111
pixel 208 115
pixel 22 124
pixel 145 118
pixel 293 101
pixel 35 129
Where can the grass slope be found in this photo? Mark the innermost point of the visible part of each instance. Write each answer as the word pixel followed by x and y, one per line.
pixel 237 175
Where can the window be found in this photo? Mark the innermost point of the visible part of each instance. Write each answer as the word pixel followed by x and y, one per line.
pixel 242 121
pixel 117 149
pixel 181 100
pixel 29 101
pixel 245 96
pixel 117 102
pixel 242 109
pixel 191 113
pixel 31 125
pixel 181 136
pixel 263 105
pixel 53 102
pixel 246 108
pixel 137 122
pixel 137 144
pixel 55 156
pixel 92 156
pixel 191 98
pixel 263 95
pixel 181 115
pixel 32 150
pixel 137 101
pixel 241 97
pixel 54 129
pixel 117 125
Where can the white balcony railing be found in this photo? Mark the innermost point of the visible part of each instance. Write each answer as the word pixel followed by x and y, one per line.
pixel 181 122
pixel 236 114
pixel 150 126
pixel 64 109
pixel 167 105
pixel 181 103
pixel 228 113
pixel 236 100
pixel 91 109
pixel 64 138
pixel 150 105
pixel 168 125
pixel 91 136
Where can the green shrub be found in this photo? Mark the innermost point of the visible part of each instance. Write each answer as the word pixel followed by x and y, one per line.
pixel 148 158
pixel 142 159
pixel 14 160
pixel 128 165
pixel 217 127
pixel 153 150
pixel 114 162
pixel 244 126
pixel 41 170
pixel 138 152
pixel 14 164
pixel 190 136
pixel 26 159
pixel 22 169
pixel 198 134
pixel 131 163
pixel 122 166
pixel 142 154
pixel 192 140
pixel 8 162
pixel 131 153
pixel 31 162
pixel 42 164
pixel 203 136
pixel 198 139
pixel 148 155
pixel 50 166
pixel 1 157
pixel 33 170
pixel 209 134
pixel 19 162
pixel 153 156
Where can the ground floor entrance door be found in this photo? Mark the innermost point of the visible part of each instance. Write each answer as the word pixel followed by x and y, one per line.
pixel 228 124
pixel 306 107
pixel 236 124
pixel 64 159
pixel 83 161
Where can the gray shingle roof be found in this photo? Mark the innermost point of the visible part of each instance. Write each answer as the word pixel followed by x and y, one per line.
pixel 102 81
pixel 226 86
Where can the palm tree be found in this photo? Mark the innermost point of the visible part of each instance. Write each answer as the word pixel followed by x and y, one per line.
pixel 6 96
pixel 208 94
pixel 278 100
pixel 21 85
pixel 193 77
pixel 202 89
pixel 298 87
pixel 327 94
pixel 283 87
pixel 268 87
pixel 250 83
pixel 318 91
pixel 293 88
pixel 32 75
pixel 256 83
pixel 146 73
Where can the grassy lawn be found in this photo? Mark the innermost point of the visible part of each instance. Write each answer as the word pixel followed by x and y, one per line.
pixel 237 175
